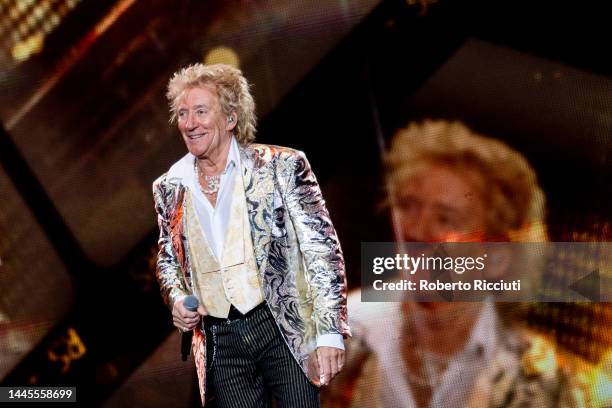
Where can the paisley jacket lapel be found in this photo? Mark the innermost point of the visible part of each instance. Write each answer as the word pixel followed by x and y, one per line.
pixel 258 179
pixel 177 227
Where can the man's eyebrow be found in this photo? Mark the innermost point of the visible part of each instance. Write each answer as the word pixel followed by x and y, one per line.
pixel 448 208
pixel 184 108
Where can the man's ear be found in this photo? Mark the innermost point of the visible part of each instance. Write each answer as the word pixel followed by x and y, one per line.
pixel 232 118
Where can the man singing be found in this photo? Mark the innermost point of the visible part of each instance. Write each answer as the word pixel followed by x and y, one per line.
pixel 244 228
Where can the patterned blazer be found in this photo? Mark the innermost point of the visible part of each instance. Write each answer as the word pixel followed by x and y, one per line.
pixel 298 255
pixel 510 367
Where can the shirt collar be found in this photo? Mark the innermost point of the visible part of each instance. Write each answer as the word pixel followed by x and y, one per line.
pixel 185 171
pixel 484 335
pixel 233 156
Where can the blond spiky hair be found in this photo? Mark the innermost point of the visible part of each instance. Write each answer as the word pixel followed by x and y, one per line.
pixel 513 197
pixel 232 89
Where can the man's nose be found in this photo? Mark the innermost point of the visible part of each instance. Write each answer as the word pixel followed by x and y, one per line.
pixel 417 229
pixel 190 123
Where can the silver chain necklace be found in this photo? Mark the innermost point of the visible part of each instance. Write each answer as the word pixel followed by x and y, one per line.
pixel 213 182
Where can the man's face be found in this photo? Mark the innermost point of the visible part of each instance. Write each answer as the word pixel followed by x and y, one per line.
pixel 205 129
pixel 441 204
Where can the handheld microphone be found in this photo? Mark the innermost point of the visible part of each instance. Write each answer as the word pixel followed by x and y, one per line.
pixel 191 304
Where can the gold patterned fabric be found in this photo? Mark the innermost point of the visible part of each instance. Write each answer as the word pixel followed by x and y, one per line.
pixel 297 252
pixel 234 279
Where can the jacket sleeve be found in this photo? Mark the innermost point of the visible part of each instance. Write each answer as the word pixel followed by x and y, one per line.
pixel 168 270
pixel 319 245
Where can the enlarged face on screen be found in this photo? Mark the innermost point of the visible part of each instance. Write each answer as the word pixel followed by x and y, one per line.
pixel 442 203
pixel 205 129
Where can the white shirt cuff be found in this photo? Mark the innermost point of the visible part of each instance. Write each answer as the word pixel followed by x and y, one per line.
pixel 331 340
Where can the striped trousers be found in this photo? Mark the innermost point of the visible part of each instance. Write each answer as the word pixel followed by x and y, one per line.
pixel 249 364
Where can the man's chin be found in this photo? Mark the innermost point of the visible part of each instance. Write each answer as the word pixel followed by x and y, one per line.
pixel 198 151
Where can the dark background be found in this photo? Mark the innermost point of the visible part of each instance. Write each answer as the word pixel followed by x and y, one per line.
pixel 85 132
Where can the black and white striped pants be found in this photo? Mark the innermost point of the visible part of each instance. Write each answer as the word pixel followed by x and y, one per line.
pixel 249 364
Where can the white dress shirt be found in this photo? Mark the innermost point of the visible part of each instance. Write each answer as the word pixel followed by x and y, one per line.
pixel 382 324
pixel 215 219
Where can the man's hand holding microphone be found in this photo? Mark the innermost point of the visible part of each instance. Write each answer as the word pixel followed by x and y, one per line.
pixel 186 314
